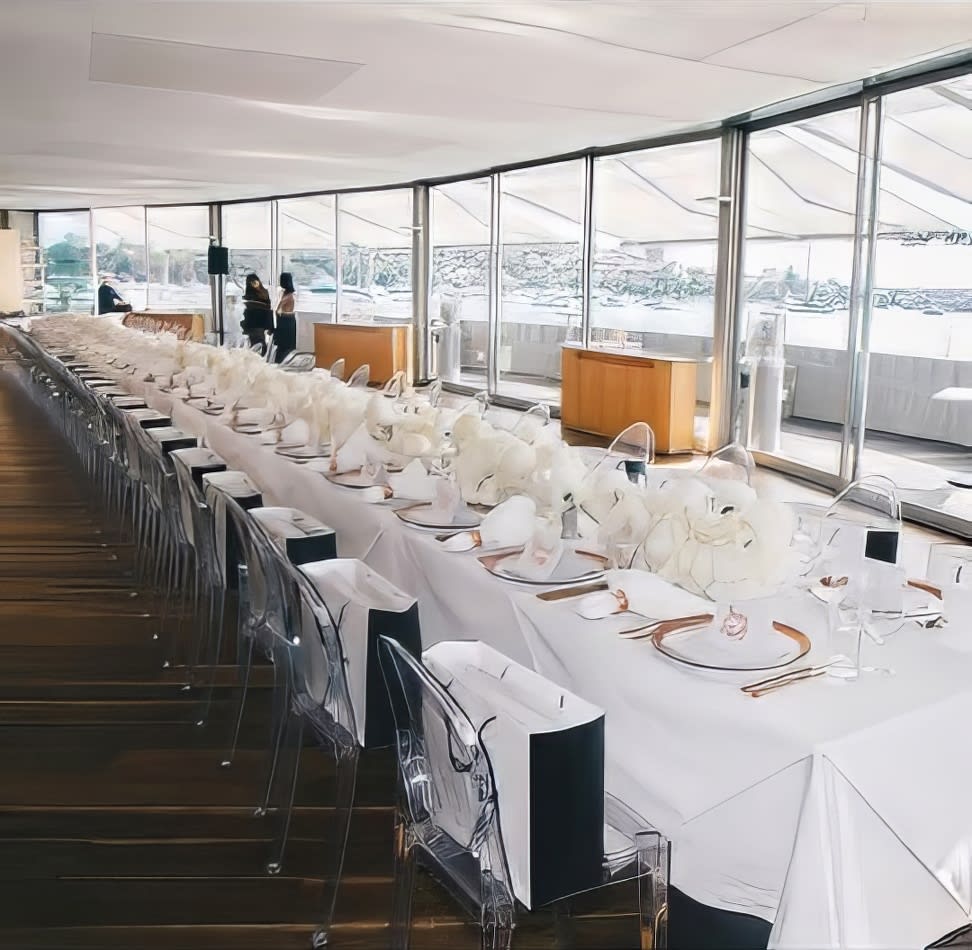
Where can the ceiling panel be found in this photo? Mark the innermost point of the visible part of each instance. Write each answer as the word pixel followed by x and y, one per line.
pixel 357 93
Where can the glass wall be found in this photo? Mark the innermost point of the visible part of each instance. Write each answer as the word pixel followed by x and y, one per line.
pixel 178 242
pixel 65 239
pixel 308 251
pixel 656 219
pixel 459 304
pixel 541 250
pixel 798 257
pixel 247 233
pixel 375 229
pixel 919 397
pixel 120 257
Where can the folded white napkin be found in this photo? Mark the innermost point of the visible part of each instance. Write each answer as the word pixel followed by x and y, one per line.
pixel 509 524
pixel 541 554
pixel 414 482
pixel 446 502
pixel 296 433
pixel 642 593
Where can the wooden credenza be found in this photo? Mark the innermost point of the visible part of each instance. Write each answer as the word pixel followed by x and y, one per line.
pixel 604 391
pixel 386 348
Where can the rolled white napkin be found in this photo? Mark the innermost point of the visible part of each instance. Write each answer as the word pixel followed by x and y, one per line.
pixel 541 554
pixel 414 482
pixel 642 593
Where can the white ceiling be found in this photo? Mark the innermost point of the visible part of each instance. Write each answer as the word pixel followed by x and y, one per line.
pixel 204 100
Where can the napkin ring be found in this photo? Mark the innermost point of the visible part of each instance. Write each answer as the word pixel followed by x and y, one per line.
pixel 834 582
pixel 622 599
pixel 736 625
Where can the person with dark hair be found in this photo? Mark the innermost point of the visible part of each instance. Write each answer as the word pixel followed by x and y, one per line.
pixel 285 336
pixel 109 300
pixel 257 312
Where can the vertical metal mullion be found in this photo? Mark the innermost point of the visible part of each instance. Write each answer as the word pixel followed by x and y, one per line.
pixel 587 251
pixel 859 277
pixel 495 283
pixel 94 260
pixel 727 303
pixel 148 259
pixel 217 283
pixel 338 262
pixel 421 273
pixel 274 244
pixel 859 409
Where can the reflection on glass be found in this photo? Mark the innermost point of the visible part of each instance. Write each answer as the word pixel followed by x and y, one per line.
pixel 459 306
pixel 800 204
pixel 246 232
pixel 308 252
pixel 919 401
pixel 376 256
pixel 656 219
pixel 178 240
pixel 65 240
pixel 119 235
pixel 541 235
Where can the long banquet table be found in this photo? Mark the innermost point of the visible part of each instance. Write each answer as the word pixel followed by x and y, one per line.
pixel 836 811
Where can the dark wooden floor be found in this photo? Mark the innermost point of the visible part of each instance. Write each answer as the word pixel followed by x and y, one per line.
pixel 118 829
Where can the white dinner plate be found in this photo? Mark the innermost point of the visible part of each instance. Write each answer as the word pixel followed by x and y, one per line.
pixel 574 567
pixel 769 646
pixel 423 516
pixel 298 450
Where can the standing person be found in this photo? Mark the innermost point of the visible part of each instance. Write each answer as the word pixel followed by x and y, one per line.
pixel 285 336
pixel 257 311
pixel 109 300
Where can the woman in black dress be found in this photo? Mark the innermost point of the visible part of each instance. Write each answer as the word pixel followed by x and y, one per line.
pixel 285 336
pixel 257 311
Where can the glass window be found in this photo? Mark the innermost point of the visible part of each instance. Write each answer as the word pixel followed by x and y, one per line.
pixel 246 233
pixel 307 252
pixel 376 255
pixel 919 417
pixel 541 236
pixel 800 220
pixel 459 306
pixel 178 241
pixel 119 235
pixel 656 220
pixel 65 239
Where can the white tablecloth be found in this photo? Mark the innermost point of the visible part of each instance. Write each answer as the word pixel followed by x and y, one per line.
pixel 836 810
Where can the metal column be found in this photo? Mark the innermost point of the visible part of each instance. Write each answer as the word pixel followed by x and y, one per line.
pixel 338 261
pixel 421 283
pixel 217 283
pixel 587 251
pixel 495 284
pixel 728 290
pixel 859 322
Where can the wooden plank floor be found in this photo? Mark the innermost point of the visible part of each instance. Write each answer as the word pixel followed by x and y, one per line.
pixel 118 828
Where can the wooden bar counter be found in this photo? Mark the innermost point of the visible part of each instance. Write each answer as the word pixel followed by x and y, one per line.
pixel 385 347
pixel 606 390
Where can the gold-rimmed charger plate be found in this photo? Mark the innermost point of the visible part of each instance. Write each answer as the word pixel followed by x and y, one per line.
pixel 574 567
pixel 423 516
pixel 698 646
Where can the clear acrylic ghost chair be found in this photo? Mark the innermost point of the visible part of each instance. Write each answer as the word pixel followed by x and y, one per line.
pixel 337 369
pixel 531 421
pixel 448 817
pixel 318 701
pixel 298 362
pixel 209 591
pixel 360 377
pixel 733 461
pixel 632 451
pixel 262 611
